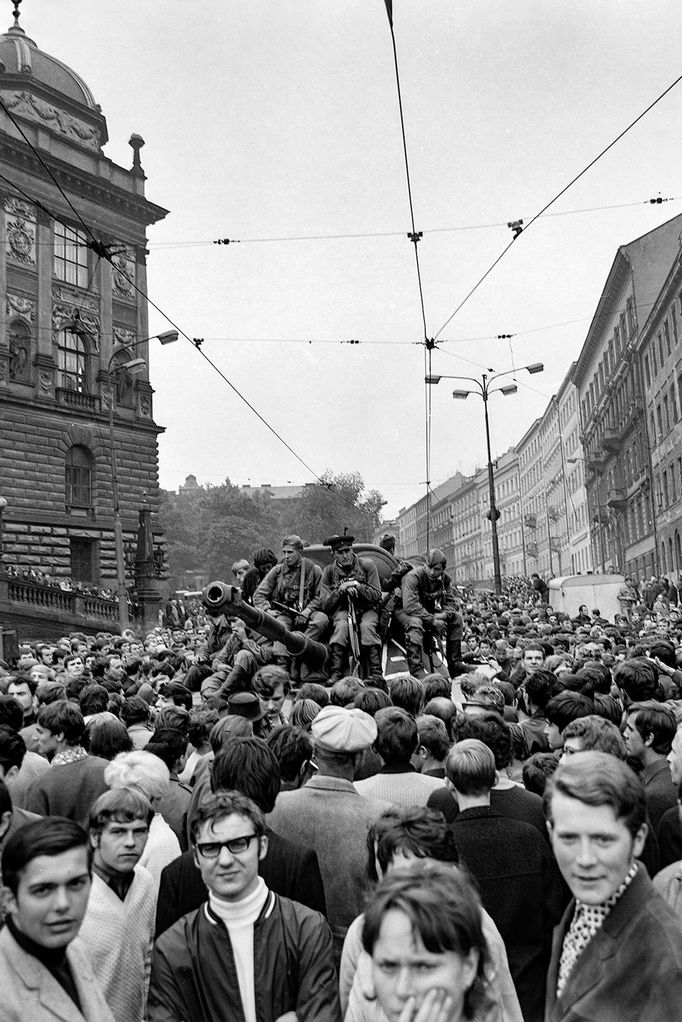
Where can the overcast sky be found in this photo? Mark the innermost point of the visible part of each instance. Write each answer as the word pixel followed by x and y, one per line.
pixel 279 119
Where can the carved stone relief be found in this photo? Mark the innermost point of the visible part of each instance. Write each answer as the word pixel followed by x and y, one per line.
pixel 56 120
pixel 123 274
pixel 20 244
pixel 17 305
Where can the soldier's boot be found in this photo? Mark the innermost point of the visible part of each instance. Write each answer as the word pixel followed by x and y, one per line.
pixel 337 662
pixel 414 655
pixel 373 656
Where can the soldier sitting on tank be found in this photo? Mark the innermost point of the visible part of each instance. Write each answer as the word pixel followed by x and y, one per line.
pixel 288 593
pixel 234 666
pixel 351 580
pixel 428 611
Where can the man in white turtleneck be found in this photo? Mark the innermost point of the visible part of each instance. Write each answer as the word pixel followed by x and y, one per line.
pixel 246 953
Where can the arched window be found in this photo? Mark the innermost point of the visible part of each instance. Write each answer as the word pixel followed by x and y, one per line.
pixel 78 477
pixel 19 352
pixel 73 362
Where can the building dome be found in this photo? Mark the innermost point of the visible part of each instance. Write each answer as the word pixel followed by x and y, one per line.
pixel 19 55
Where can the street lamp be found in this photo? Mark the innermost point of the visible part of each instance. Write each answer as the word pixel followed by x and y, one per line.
pixel 3 505
pixel 134 365
pixel 484 391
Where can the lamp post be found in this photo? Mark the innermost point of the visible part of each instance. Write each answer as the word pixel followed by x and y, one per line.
pixel 3 505
pixel 484 391
pixel 134 365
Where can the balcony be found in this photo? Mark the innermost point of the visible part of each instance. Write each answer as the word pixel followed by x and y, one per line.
pixel 612 440
pixel 616 498
pixel 75 399
pixel 530 521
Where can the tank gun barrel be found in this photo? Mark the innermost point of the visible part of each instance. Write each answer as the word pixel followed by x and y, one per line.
pixel 220 598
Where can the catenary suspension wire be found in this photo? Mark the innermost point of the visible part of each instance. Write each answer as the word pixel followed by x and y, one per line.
pixel 557 197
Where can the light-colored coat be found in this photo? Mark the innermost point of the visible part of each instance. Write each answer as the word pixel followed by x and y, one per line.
pixel 30 993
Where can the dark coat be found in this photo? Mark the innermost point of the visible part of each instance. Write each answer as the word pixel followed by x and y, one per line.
pixel 631 970
pixel 194 976
pixel 514 803
pixel 68 789
pixel 288 869
pixel 521 889
pixel 670 837
pixel 659 791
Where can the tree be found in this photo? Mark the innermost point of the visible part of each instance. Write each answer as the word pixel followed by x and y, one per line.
pixel 335 504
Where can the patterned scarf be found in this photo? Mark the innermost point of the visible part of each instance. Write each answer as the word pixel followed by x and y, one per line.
pixel 70 755
pixel 587 921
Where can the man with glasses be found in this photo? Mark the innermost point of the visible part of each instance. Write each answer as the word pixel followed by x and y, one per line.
pixel 246 953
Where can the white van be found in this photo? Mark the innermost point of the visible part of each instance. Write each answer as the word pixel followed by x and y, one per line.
pixel 569 592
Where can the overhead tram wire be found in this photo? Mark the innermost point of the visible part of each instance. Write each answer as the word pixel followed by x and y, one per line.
pixel 350 236
pixel 415 236
pixel 557 197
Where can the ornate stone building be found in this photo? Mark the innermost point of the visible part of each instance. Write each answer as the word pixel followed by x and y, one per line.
pixel 65 313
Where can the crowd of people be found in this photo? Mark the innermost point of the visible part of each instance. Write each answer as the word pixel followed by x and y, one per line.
pixel 196 824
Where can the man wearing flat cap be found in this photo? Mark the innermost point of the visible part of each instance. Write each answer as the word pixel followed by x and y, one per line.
pixel 351 579
pixel 329 815
pixel 288 592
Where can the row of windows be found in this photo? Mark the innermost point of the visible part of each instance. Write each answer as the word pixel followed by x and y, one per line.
pixel 624 329
pixel 660 347
pixel 663 417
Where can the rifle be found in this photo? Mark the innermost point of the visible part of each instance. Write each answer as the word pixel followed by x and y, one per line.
pixel 299 620
pixel 353 635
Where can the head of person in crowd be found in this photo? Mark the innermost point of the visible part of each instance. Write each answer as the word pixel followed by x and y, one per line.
pixel 202 720
pixel 533 657
pixel 486 697
pixel 248 765
pixel 170 745
pixel 12 754
pixel 303 713
pixel 263 560
pixel 340 736
pixel 135 710
pixel 595 810
pixel 176 717
pixel 397 737
pixel 105 736
pixel 470 772
pixel 406 833
pixel 592 734
pixel 119 828
pixel 663 650
pixel 60 726
pixel 229 841
pixel 93 699
pixel 141 770
pixel 293 750
pixel 422 930
pixel 442 708
pixel 433 743
pixel 239 569
pixel 229 727
pixel 649 731
pixel 561 710
pixel 22 687
pixel 114 670
pixel 537 770
pixel 637 680
pixel 407 693
pixel 344 691
pixel 172 693
pixel 312 690
pixel 492 731
pixel 292 551
pixel 46 867
pixel 435 686
pixel 74 665
pixel 538 689
pixel 370 700
pixel 271 684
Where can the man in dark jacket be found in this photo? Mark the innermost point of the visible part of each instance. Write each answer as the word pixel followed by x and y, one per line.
pixel 617 953
pixel 514 870
pixel 246 953
pixel 351 586
pixel 428 608
pixel 289 868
